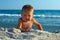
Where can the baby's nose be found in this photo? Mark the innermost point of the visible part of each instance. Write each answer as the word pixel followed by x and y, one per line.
pixel 27 18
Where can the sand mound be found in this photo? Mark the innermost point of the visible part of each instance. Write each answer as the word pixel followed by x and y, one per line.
pixel 14 34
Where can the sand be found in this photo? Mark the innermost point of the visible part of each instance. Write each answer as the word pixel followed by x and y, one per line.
pixel 16 34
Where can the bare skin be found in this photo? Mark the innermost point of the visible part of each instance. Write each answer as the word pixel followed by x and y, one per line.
pixel 26 21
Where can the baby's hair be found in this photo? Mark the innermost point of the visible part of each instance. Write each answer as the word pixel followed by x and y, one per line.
pixel 27 7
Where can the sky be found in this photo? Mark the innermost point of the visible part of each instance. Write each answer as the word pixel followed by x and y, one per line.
pixel 37 4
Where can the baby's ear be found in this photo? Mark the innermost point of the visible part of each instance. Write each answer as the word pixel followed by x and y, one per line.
pixel 32 14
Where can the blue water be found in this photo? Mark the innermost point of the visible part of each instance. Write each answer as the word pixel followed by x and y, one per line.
pixel 49 19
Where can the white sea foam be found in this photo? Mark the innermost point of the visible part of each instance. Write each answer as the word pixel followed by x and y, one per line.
pixel 16 34
pixel 10 15
pixel 41 15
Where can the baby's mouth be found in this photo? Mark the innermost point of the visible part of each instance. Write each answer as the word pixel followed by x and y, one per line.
pixel 27 19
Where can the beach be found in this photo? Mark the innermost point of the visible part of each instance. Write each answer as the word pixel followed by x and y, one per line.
pixel 16 34
pixel 49 19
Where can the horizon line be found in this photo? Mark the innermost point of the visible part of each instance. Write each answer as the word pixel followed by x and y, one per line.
pixel 34 9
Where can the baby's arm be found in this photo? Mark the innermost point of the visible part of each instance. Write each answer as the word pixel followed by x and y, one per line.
pixel 20 25
pixel 37 24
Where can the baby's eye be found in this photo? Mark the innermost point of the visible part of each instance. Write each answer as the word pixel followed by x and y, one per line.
pixel 29 15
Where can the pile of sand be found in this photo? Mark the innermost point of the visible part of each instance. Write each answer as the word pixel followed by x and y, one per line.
pixel 14 34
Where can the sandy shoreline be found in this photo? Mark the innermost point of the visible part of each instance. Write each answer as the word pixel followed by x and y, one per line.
pixel 15 34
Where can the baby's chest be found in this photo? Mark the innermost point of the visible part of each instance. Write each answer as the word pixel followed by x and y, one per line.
pixel 27 24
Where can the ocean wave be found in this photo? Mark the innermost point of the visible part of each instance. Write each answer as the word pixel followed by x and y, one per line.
pixel 50 16
pixel 10 15
pixel 42 15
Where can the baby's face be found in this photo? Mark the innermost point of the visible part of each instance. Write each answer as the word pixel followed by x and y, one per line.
pixel 27 15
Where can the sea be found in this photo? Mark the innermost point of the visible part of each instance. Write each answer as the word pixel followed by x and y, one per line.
pixel 49 19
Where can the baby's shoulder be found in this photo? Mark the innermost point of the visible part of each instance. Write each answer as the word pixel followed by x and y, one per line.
pixel 33 19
